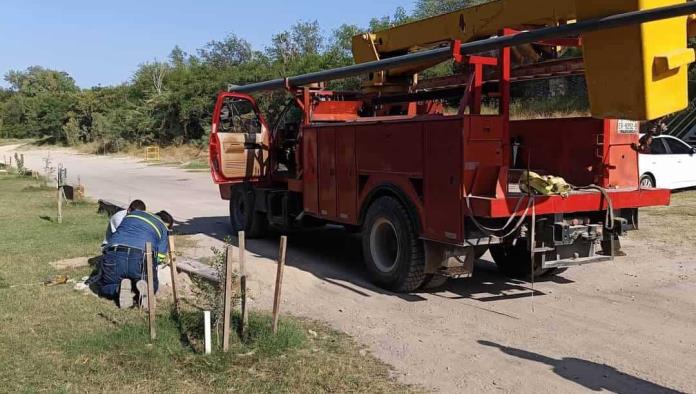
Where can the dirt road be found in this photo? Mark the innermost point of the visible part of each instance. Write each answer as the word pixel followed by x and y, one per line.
pixel 627 326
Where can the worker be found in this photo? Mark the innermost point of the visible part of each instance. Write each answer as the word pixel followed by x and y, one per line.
pixel 655 129
pixel 123 260
pixel 117 218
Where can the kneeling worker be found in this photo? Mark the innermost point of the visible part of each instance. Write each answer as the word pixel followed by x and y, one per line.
pixel 124 257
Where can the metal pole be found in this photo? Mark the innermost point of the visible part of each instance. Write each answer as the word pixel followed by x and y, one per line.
pixel 443 54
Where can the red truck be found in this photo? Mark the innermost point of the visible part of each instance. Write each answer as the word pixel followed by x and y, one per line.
pixel 428 179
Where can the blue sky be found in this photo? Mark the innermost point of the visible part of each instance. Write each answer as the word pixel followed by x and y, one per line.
pixel 102 42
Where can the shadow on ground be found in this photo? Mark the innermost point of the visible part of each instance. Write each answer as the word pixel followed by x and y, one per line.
pixel 335 256
pixel 591 375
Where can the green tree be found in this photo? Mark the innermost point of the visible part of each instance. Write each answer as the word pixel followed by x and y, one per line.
pixel 426 8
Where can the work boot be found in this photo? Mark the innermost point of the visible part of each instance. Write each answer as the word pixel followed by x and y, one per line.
pixel 125 294
pixel 141 285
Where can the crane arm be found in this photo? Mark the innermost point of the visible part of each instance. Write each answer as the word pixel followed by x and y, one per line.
pixel 464 25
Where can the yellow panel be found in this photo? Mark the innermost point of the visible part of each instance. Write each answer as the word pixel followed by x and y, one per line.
pixel 635 72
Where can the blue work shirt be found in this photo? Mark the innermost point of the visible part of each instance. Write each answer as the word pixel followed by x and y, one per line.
pixel 139 228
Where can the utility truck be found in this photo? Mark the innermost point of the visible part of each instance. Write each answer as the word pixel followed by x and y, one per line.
pixel 432 172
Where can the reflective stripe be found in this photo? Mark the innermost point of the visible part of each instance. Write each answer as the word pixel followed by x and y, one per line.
pixel 161 256
pixel 159 233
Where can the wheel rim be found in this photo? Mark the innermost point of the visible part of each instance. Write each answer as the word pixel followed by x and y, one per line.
pixel 384 245
pixel 646 182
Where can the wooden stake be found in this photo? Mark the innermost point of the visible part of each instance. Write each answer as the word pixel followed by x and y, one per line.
pixel 150 291
pixel 228 300
pixel 172 260
pixel 279 282
pixel 243 327
pixel 60 204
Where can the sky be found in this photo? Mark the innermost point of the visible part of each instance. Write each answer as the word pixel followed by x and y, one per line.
pixel 102 42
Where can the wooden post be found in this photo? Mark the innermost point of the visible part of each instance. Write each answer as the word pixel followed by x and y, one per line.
pixel 279 281
pixel 242 286
pixel 228 300
pixel 60 204
pixel 172 261
pixel 150 291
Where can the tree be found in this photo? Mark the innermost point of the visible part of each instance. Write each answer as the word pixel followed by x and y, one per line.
pixel 228 52
pixel 426 8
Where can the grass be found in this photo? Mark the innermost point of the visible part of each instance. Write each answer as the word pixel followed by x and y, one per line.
pixel 670 226
pixel 56 339
pixel 14 141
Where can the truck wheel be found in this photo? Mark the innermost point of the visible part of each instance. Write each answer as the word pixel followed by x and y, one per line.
pixel 393 253
pixel 243 216
pixel 514 261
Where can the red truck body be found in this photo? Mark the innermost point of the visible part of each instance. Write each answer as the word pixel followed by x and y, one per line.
pixel 457 176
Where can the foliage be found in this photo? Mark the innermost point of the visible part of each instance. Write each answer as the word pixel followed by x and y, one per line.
pixel 170 101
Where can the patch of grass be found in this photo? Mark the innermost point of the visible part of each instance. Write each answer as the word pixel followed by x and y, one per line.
pixel 15 141
pixel 196 165
pixel 670 226
pixel 55 339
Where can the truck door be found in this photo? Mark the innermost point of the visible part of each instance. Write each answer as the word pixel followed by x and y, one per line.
pixel 239 140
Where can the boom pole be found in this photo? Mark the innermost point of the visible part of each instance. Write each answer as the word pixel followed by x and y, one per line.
pixel 443 54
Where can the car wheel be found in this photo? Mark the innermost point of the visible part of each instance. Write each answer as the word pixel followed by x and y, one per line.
pixel 647 181
pixel 393 253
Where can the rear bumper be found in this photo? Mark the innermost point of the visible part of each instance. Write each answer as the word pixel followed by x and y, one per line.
pixel 578 201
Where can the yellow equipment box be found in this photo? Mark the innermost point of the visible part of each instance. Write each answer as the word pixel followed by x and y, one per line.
pixel 637 72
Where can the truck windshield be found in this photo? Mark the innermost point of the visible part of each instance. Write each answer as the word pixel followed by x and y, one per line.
pixel 239 116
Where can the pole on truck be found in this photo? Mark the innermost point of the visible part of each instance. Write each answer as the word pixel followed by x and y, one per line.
pixel 443 54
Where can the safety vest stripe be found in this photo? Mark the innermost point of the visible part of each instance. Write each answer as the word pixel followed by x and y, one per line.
pixel 159 233
pixel 161 256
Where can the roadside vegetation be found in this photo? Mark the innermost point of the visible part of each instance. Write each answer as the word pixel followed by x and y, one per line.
pixel 671 226
pixel 57 339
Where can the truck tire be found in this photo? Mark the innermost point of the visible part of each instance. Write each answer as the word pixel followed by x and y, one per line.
pixel 515 261
pixel 243 215
pixel 393 253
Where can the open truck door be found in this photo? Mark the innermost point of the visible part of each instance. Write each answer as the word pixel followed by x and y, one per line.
pixel 239 140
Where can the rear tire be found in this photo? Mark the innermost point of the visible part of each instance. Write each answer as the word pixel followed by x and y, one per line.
pixel 515 261
pixel 243 214
pixel 393 253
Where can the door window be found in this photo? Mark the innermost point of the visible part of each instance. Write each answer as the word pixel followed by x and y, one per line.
pixel 658 147
pixel 238 115
pixel 677 147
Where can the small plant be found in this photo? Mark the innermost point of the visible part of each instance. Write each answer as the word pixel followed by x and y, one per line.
pixel 49 170
pixel 19 160
pixel 212 295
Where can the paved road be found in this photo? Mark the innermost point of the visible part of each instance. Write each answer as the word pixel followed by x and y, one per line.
pixel 626 327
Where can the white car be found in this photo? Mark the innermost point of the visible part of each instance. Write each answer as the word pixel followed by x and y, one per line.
pixel 671 164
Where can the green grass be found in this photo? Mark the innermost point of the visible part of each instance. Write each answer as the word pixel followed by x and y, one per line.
pixel 56 339
pixel 196 165
pixel 14 141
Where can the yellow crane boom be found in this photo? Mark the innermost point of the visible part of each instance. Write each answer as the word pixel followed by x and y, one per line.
pixel 637 72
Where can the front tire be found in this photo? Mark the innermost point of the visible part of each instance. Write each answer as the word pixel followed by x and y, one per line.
pixel 243 214
pixel 647 181
pixel 393 253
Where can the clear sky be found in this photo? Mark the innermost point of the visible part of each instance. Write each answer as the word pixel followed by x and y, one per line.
pixel 103 41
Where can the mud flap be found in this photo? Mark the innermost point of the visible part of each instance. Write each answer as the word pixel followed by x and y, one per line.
pixel 447 260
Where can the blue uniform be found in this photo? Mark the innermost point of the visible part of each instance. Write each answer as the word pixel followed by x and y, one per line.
pixel 124 255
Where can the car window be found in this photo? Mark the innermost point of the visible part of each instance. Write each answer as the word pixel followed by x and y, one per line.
pixel 658 147
pixel 677 147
